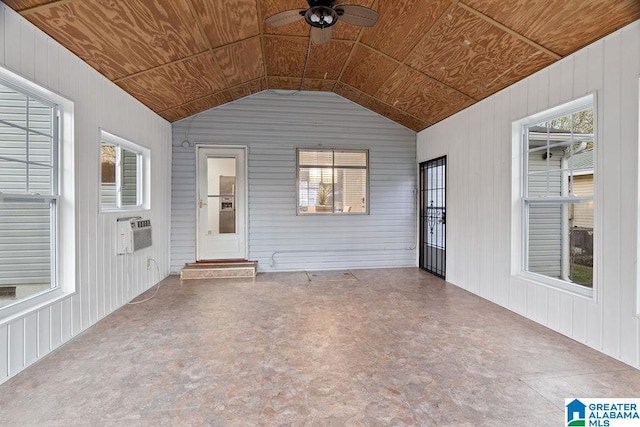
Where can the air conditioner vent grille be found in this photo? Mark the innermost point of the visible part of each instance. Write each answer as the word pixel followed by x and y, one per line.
pixel 142 238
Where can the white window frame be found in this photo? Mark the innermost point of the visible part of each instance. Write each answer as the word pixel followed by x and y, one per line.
pixel 63 249
pixel 143 165
pixel 519 211
pixel 333 167
pixel 638 235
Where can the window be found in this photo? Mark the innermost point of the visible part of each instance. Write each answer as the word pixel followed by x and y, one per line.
pixel 36 196
pixel 333 181
pixel 558 160
pixel 122 173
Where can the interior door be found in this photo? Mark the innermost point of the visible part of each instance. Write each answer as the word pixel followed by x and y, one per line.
pixel 433 220
pixel 221 210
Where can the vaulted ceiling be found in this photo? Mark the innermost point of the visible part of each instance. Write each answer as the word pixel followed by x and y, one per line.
pixel 423 61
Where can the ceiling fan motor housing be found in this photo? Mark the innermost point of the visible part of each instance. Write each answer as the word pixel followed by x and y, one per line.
pixel 320 16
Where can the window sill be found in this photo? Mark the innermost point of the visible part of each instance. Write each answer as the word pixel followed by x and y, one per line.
pixel 23 308
pixel 557 284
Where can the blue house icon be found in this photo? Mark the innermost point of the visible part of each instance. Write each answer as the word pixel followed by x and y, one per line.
pixel 575 407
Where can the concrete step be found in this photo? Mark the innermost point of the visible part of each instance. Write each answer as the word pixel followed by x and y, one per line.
pixel 219 270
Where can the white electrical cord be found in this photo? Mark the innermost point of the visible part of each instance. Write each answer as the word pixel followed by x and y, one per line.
pixel 306 62
pixel 158 286
pixel 304 74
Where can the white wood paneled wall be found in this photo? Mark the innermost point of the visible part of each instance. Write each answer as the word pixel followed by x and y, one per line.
pixel 272 125
pixel 104 281
pixel 479 146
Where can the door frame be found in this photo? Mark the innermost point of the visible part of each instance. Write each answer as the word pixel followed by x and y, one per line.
pixel 421 191
pixel 245 221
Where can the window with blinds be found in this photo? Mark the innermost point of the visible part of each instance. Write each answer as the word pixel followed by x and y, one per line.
pixel 332 181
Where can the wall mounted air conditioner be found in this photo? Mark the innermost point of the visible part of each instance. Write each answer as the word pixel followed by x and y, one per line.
pixel 134 233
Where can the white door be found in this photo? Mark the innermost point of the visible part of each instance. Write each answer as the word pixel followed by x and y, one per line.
pixel 222 190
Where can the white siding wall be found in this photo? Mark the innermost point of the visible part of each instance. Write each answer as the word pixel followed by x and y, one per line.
pixel 272 125
pixel 479 231
pixel 104 281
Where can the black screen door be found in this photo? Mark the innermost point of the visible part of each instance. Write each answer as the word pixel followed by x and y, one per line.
pixel 433 236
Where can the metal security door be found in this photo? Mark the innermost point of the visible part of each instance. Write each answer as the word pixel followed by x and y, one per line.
pixel 433 179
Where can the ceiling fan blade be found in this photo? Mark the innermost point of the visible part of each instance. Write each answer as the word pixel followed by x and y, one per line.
pixel 358 15
pixel 284 18
pixel 321 35
pixel 337 2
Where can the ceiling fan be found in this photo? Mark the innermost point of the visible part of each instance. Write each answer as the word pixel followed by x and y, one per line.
pixel 322 15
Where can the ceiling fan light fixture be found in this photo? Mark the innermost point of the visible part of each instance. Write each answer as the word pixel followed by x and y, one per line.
pixel 321 16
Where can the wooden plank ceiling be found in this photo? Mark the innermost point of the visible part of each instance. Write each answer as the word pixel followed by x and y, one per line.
pixel 423 61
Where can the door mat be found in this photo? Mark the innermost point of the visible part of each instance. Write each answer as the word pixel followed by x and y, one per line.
pixel 331 276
